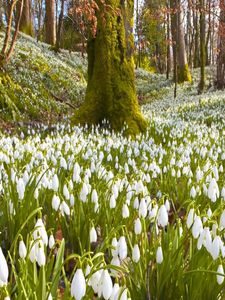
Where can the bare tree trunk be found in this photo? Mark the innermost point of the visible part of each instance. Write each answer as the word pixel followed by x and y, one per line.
pixel 1 14
pixel 220 82
pixel 177 29
pixel 50 22
pixel 60 26
pixel 202 45
pixel 168 54
pixel 196 26
pixel 26 24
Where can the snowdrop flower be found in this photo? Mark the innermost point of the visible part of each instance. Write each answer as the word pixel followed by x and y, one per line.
pixel 66 193
pixel 122 248
pixel 124 295
pixel 115 292
pixel 162 216
pixel 40 256
pixel 51 241
pixel 22 249
pixel 55 183
pixel 76 173
pixel 136 253
pixel 159 255
pixel 197 227
pixel 94 196
pixel 115 247
pixel 213 190
pixel 84 192
pixel 137 226
pixel 64 208
pixel 107 286
pixel 193 192
pixel 125 211
pixel 93 235
pixel 4 271
pixel 32 254
pixel 95 280
pixel 190 218
pixel 220 278
pixel 215 248
pixel 20 188
pixel 143 208
pixel 112 202
pixel 55 202
pixel 223 193
pixel 40 231
pixel 222 220
pixel 78 285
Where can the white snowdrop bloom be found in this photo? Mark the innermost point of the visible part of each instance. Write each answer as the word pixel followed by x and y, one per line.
pixel 40 232
pixel 162 218
pixel 143 210
pixel 22 249
pixel 167 205
pixel 209 212
pixel 190 218
pixel 115 247
pixel 214 229
pixel 107 286
pixel 78 285
pixel 220 278
pixel 112 201
pixel 115 292
pixel 222 220
pixel 193 192
pixel 4 271
pixel 72 200
pixel 20 188
pixel 207 239
pixel 213 190
pixel 153 212
pixel 50 296
pixel 137 226
pixel 93 235
pixel 63 163
pixel 64 208
pixel 136 253
pixel 215 248
pixel 94 196
pixel 76 172
pixel 139 187
pixel 55 202
pixel 7 298
pixel 55 183
pixel 84 192
pixel 136 203
pixel 51 241
pixel 66 193
pixel 122 247
pixel 115 262
pixel 40 255
pixel 115 191
pixel 159 255
pixel 197 227
pixel 32 254
pixel 223 193
pixel 124 295
pixel 94 280
pixel 125 211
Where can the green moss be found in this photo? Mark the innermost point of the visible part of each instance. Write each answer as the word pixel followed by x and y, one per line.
pixel 27 29
pixel 184 74
pixel 111 93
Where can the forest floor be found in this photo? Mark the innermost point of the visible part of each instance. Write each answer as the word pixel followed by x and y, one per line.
pixel 42 86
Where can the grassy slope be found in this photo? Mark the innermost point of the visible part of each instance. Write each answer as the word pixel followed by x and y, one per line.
pixel 35 75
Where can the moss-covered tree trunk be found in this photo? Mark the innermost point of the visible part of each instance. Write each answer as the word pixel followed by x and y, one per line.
pixel 50 22
pixel 111 93
pixel 26 23
pixel 177 29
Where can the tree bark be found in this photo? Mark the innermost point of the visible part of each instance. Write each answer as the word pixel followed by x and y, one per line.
pixel 111 91
pixel 220 81
pixel 60 26
pixel 26 23
pixel 177 29
pixel 50 22
pixel 202 45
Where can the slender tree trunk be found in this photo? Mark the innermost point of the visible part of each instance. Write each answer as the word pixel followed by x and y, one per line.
pixel 220 82
pixel 202 45
pixel 60 25
pixel 50 22
pixel 177 29
pixel 1 14
pixel 168 54
pixel 196 26
pixel 111 91
pixel 26 23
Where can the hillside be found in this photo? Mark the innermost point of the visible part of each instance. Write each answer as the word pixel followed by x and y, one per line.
pixel 37 80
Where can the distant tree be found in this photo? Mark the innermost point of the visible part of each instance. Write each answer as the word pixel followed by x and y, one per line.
pixel 50 26
pixel 111 91
pixel 220 80
pixel 26 23
pixel 178 37
pixel 202 45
